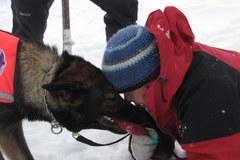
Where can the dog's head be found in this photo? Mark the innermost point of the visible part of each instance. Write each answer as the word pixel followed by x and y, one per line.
pixel 80 97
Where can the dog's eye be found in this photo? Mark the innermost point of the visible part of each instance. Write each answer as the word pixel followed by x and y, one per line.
pixel 61 93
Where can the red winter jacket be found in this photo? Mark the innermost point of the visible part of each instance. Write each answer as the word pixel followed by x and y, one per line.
pixel 196 98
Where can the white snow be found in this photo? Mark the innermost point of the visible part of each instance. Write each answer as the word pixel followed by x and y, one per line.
pixel 214 22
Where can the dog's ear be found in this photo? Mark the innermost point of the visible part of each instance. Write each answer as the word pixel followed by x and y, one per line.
pixel 60 87
pixel 65 54
pixel 67 92
pixel 56 89
pixel 67 57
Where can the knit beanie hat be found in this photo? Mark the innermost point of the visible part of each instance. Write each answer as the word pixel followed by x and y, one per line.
pixel 131 58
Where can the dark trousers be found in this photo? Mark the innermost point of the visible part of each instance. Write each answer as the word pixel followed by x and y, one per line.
pixel 30 16
pixel 119 14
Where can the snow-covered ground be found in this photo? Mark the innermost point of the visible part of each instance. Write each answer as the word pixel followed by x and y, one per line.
pixel 214 22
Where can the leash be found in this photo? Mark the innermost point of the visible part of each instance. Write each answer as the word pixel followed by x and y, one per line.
pixel 66 34
pixel 82 139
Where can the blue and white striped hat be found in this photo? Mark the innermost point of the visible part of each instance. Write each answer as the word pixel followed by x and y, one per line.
pixel 131 58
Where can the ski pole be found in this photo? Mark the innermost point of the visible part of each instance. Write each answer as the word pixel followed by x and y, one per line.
pixel 67 39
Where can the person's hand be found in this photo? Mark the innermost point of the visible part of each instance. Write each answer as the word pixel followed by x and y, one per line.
pixel 143 140
pixel 143 146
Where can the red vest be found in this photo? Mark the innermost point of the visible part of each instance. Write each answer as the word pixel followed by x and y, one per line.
pixel 8 52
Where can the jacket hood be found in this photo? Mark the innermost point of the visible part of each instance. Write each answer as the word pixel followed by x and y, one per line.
pixel 175 40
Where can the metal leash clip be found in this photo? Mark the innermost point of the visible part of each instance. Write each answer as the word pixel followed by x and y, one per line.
pixel 56 128
pixel 75 135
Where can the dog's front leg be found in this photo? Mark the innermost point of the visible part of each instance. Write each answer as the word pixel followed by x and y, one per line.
pixel 13 143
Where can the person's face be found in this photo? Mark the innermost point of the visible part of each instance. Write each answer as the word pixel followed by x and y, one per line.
pixel 135 96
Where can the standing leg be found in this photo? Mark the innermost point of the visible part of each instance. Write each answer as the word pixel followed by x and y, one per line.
pixel 30 18
pixel 1 156
pixel 119 14
pixel 13 143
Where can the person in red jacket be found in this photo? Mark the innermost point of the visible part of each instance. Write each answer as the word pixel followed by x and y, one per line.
pixel 192 90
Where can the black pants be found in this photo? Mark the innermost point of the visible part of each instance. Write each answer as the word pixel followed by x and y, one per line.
pixel 30 16
pixel 119 14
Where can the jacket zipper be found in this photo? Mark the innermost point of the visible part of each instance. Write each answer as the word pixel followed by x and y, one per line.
pixel 163 80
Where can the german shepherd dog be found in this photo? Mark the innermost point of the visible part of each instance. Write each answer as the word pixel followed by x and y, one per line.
pixel 68 89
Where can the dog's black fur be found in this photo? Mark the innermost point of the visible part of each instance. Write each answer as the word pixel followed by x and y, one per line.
pixel 78 95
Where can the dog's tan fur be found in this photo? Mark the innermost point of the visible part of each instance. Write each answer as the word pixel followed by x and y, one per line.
pixel 35 63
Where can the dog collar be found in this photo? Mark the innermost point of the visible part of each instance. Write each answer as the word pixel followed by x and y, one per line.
pixel 56 128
